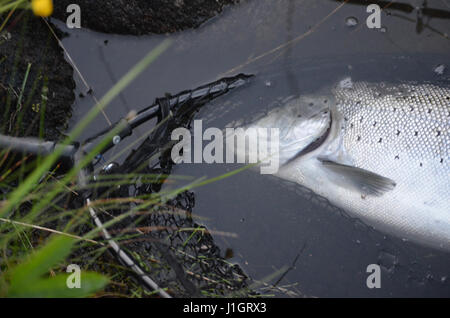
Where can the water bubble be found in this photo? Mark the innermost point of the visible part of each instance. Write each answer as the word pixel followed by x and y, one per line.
pixel 383 29
pixel 116 139
pixel 351 22
pixel 440 69
pixel 110 167
pixel 268 83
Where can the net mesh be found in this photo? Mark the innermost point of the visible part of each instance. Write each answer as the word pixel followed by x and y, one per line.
pixel 178 253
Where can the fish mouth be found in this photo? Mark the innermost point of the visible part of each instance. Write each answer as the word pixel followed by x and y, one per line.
pixel 315 144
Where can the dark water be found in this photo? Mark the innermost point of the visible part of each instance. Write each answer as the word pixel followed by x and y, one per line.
pixel 279 224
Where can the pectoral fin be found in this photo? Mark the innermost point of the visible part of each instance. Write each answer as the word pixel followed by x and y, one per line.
pixel 367 182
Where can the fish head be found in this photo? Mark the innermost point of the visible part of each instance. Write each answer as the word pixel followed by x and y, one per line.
pixel 303 124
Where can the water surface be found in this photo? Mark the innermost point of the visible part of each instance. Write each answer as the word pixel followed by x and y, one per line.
pixel 292 47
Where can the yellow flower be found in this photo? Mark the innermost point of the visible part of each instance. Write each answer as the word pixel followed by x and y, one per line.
pixel 42 8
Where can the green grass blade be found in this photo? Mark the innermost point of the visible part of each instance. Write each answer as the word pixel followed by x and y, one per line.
pixel 40 262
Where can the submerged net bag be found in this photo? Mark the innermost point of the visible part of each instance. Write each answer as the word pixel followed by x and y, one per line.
pixel 180 254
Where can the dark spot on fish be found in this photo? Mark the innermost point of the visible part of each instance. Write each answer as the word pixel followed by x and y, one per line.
pixel 345 118
pixel 416 133
pixel 448 98
pixel 394 109
pixel 311 104
pixel 325 101
pixel 298 116
pixel 397 157
pixel 363 196
pixel 374 124
pixel 361 120
pixel 421 164
pixel 379 141
pixel 351 125
pixel 398 132
pixel 442 160
pixel 429 111
pixel 438 133
pixel 411 108
pixel 359 138
pixel 358 102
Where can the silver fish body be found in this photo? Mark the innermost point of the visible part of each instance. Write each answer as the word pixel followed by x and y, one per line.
pixel 379 151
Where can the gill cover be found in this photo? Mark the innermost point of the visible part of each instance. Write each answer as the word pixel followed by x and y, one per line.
pixel 303 123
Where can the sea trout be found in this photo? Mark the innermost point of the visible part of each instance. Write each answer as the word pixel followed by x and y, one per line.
pixel 379 151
